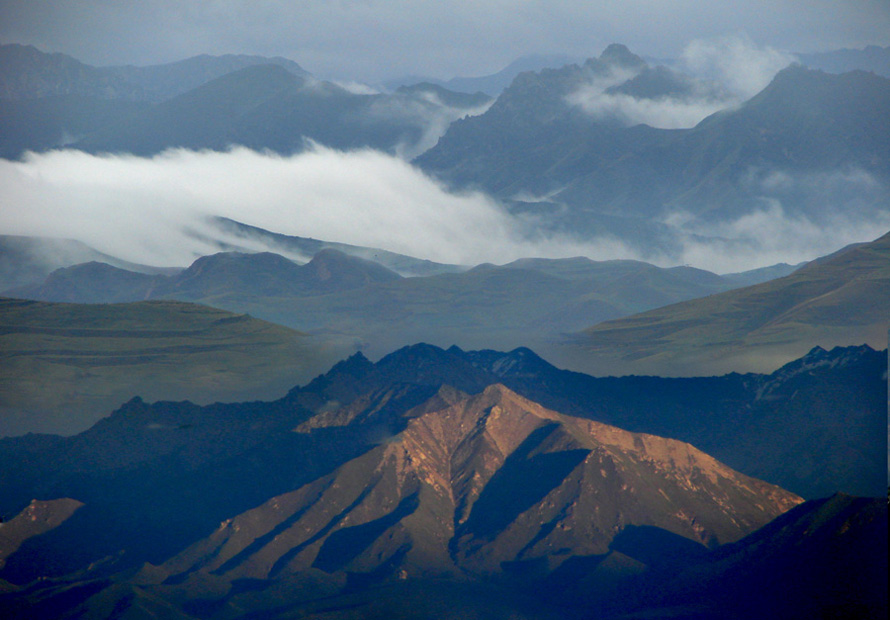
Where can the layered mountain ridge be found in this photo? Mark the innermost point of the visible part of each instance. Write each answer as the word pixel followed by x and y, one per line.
pixel 377 477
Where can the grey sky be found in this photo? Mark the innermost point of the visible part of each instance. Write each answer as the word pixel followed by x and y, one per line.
pixel 373 39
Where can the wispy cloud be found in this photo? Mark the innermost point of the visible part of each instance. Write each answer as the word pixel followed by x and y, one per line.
pixel 734 61
pixel 721 73
pixel 778 228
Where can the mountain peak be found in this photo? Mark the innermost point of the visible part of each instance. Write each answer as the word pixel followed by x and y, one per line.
pixel 476 481
pixel 619 55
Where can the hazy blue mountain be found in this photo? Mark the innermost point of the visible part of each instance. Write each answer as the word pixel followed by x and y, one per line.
pixel 29 260
pixel 267 107
pixel 57 121
pixel 807 141
pixel 495 83
pixel 210 102
pixel 165 81
pixel 870 58
pixel 26 73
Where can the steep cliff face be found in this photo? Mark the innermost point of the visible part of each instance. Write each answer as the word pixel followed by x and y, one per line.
pixel 483 485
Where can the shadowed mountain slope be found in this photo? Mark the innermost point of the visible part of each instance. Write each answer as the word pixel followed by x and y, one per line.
pixel 817 560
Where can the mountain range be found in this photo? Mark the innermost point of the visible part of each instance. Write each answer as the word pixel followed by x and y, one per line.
pixel 421 468
pixel 609 147
pixel 51 100
pixel 871 58
pixel 614 317
pixel 291 427
pixel 799 144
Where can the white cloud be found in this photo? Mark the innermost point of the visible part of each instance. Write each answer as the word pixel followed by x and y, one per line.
pixel 356 88
pixel 770 235
pixel 734 61
pixel 146 210
pixel 663 112
pixel 427 112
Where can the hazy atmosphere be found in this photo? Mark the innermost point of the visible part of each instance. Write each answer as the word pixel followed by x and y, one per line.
pixel 501 309
pixel 370 40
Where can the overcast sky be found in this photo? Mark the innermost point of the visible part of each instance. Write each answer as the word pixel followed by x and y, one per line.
pixel 371 40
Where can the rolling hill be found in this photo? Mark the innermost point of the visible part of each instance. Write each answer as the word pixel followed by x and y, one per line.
pixel 65 366
pixel 841 299
pixel 529 302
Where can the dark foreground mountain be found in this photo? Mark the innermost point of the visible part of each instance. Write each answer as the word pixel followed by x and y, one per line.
pixel 64 366
pixel 818 560
pixel 841 299
pixel 421 485
pixel 412 482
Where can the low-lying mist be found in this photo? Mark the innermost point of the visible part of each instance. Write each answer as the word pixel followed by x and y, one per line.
pixel 156 211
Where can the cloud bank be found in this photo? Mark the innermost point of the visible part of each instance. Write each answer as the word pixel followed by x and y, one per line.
pixel 155 211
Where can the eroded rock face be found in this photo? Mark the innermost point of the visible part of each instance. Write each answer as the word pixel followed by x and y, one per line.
pixel 477 485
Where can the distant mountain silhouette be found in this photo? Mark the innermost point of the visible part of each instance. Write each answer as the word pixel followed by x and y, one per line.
pixel 208 102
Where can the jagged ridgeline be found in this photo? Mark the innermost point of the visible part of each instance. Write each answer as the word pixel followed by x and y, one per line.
pixel 423 468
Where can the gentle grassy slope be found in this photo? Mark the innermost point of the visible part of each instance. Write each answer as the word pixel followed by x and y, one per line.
pixel 64 366
pixel 842 299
